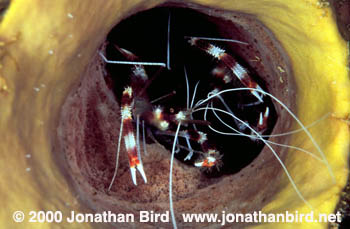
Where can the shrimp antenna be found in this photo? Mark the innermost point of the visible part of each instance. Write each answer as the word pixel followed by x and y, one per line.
pixel 199 103
pixel 217 39
pixel 171 205
pixel 168 43
pixel 117 156
pixel 269 146
pixel 130 62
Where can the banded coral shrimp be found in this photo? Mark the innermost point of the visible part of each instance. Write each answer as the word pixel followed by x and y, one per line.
pixel 175 103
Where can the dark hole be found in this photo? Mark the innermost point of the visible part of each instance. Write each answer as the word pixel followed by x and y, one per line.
pixel 345 223
pixel 145 35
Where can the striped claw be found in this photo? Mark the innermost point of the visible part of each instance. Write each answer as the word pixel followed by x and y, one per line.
pixel 230 62
pixel 129 137
pixel 208 162
pixel 133 175
pixel 134 160
pixel 211 159
pixel 139 167
pixel 136 164
pixel 262 124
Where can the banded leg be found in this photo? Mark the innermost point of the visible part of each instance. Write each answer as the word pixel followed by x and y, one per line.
pixel 129 136
pixel 161 120
pixel 238 70
pixel 211 156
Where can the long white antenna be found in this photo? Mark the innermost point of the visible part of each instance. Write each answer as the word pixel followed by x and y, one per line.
pixel 171 206
pixel 117 155
pixel 168 44
pixel 130 62
pixel 269 146
pixel 218 39
pixel 199 103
